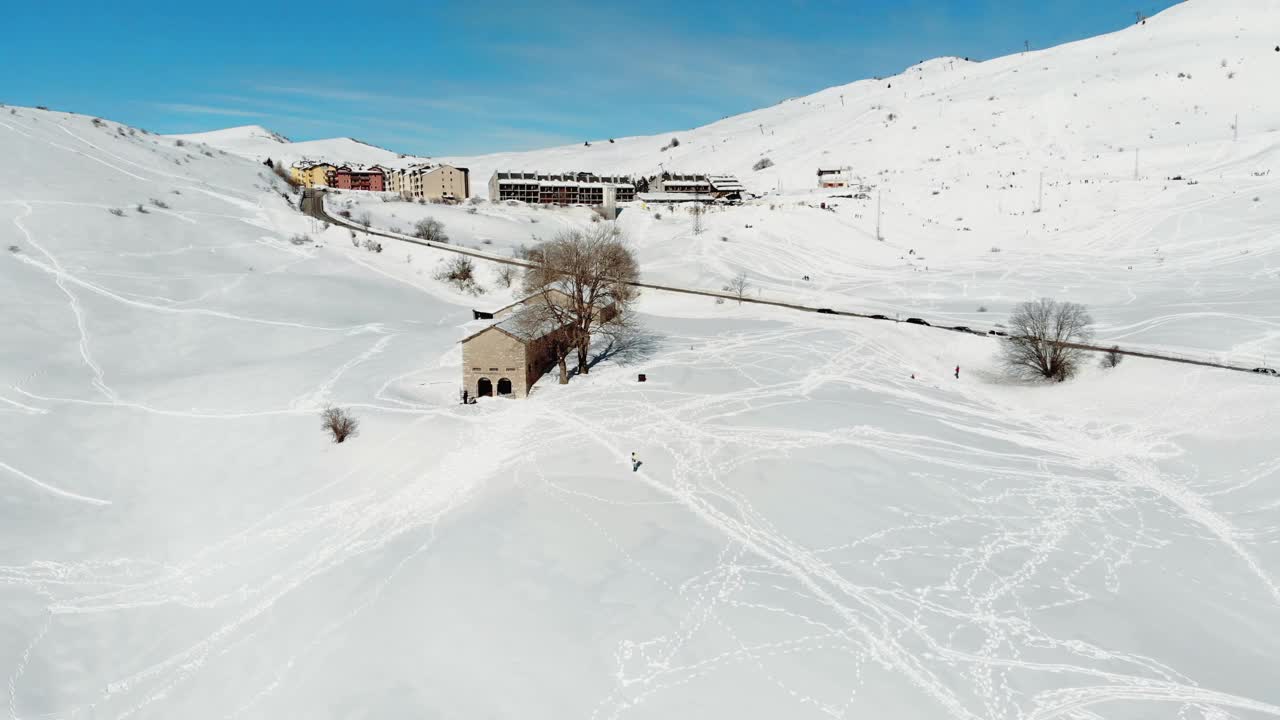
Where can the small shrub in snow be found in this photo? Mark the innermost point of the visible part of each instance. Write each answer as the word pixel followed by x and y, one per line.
pixel 675 142
pixel 159 203
pixel 1112 357
pixel 461 273
pixel 300 240
pixel 344 213
pixel 339 423
pixel 995 249
pixel 141 208
pixel 431 230
pixel 179 143
pixel 506 275
pixel 14 249
pixel 97 122
pixel 471 211
pixel 117 212
pixel 762 163
pixel 982 308
pixel 657 216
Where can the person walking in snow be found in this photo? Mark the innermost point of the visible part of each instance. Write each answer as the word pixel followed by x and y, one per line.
pixel 957 372
pixel 635 462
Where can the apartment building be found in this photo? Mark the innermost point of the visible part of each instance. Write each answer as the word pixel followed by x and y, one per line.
pixel 358 178
pixel 569 188
pixel 431 182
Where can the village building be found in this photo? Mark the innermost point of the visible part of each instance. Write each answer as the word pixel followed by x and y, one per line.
pixel 713 186
pixel 358 178
pixel 835 177
pixel 431 182
pixel 570 188
pixel 509 356
pixel 311 174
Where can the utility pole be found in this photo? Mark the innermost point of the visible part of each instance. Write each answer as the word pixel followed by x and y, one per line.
pixel 762 128
pixel 1235 129
pixel 841 101
pixel 878 235
pixel 1136 153
pixel 1040 199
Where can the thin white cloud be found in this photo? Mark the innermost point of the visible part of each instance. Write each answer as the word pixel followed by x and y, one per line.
pixel 206 110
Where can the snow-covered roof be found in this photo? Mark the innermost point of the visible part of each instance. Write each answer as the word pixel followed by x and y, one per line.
pixel 726 183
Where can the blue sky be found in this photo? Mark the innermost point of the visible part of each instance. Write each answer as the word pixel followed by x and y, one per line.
pixel 439 78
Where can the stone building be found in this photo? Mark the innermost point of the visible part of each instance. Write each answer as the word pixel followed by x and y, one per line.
pixel 509 356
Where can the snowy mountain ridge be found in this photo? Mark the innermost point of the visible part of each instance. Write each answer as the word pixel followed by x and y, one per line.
pixel 1170 88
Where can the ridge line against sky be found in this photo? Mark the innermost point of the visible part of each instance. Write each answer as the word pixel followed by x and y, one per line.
pixel 431 79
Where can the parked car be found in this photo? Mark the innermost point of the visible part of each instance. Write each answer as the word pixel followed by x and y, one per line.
pixel 916 321
pixel 826 311
pixel 1001 333
pixel 861 196
pixel 1266 371
pixel 879 317
pixel 962 328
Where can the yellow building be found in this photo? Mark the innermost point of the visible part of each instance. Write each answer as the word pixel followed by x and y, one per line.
pixel 311 174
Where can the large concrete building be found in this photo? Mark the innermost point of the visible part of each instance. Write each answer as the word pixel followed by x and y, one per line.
pixel 714 186
pixel 569 188
pixel 509 356
pixel 431 182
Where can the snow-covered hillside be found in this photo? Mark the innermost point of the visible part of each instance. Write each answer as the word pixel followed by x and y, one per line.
pixel 258 143
pixel 827 522
pixel 1170 88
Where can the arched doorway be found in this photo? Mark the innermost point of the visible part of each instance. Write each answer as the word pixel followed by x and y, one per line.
pixel 484 388
pixel 504 387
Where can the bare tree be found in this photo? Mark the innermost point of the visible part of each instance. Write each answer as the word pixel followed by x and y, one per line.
pixel 507 275
pixel 365 221
pixel 1112 357
pixel 738 286
pixel 339 423
pixel 1041 338
pixel 431 230
pixel 580 283
pixel 697 210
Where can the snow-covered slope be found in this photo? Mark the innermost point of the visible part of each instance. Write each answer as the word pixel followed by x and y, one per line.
pixel 1170 88
pixel 258 143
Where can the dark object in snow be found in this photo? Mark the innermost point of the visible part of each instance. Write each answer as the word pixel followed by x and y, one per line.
pixel 806 278
pixel 826 311
pixel 481 315
pixel 1265 371
pixel 916 321
pixel 998 332
pixel 642 378
pixel 961 328
pixel 269 164
pixel 879 317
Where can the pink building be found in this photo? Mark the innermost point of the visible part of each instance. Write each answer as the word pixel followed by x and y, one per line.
pixel 346 178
